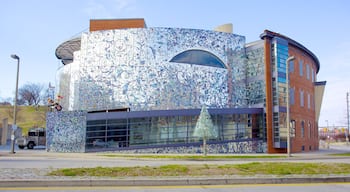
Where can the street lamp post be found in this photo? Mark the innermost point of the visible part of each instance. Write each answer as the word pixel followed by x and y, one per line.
pixel 14 126
pixel 347 116
pixel 291 58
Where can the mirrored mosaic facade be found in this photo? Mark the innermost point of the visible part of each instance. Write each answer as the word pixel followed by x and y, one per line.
pixel 131 68
pixel 126 87
pixel 159 75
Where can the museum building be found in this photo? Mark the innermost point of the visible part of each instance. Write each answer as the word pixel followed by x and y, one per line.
pixel 126 87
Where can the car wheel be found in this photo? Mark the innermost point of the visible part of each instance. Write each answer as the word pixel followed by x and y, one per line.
pixel 30 145
pixel 21 147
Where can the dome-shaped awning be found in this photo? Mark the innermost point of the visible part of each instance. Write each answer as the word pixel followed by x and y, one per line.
pixel 66 50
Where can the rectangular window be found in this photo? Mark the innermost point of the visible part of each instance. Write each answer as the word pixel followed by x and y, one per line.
pixel 309 127
pixel 301 98
pixel 302 129
pixel 291 96
pixel 312 75
pixel 307 71
pixel 308 101
pixel 291 67
pixel 301 67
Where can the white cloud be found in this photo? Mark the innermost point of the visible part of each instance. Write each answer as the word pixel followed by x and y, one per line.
pixel 109 9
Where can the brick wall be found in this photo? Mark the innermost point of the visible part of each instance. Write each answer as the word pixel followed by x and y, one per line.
pixel 309 140
pixel 107 24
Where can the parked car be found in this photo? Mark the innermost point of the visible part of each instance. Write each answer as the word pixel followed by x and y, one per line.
pixel 36 137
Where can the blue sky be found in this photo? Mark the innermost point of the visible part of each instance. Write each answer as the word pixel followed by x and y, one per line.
pixel 33 30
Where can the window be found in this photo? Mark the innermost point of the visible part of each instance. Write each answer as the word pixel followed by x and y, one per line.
pixel 291 67
pixel 198 57
pixel 32 133
pixel 309 127
pixel 291 96
pixel 301 67
pixel 301 98
pixel 292 127
pixel 302 129
pixel 308 101
pixel 307 71
pixel 312 75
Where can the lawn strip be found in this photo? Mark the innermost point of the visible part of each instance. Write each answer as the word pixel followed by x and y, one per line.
pixel 341 154
pixel 254 168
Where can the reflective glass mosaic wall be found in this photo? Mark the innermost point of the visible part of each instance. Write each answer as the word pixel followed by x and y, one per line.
pixel 131 68
pixel 66 131
pixel 150 69
pixel 255 75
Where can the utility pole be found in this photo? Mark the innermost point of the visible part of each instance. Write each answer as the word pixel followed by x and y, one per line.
pixel 347 115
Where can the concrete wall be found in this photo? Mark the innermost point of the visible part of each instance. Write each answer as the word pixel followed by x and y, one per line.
pixel 4 131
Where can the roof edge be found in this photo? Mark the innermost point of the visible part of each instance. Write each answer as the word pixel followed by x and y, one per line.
pixel 271 34
pixel 320 83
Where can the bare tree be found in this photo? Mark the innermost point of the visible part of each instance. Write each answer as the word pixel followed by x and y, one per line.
pixel 30 93
pixel 5 101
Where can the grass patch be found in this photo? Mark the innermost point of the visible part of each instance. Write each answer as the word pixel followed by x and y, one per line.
pixel 196 157
pixel 342 154
pixel 167 170
pixel 274 168
pixel 255 168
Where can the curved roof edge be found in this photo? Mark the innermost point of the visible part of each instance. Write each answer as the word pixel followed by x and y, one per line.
pixel 320 83
pixel 270 34
pixel 65 51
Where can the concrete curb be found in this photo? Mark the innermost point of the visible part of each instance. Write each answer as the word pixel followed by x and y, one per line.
pixel 168 181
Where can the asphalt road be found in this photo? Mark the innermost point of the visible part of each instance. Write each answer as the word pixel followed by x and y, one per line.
pixel 43 159
pixel 39 158
pixel 315 187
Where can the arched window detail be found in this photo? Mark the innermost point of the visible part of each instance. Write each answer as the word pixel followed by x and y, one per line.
pixel 198 57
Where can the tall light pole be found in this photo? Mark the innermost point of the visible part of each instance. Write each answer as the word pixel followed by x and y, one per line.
pixel 347 116
pixel 291 58
pixel 14 126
